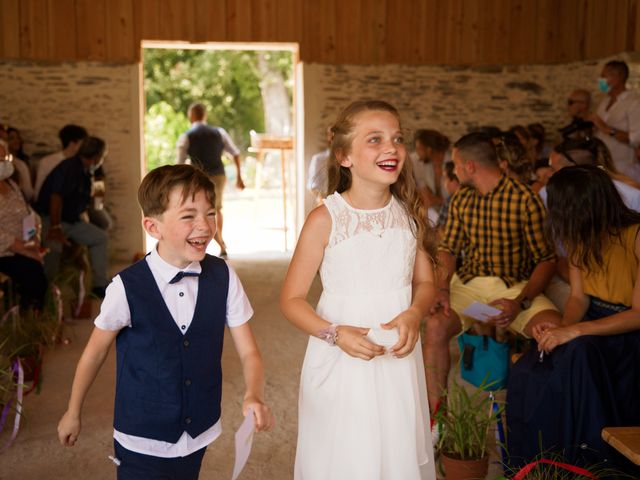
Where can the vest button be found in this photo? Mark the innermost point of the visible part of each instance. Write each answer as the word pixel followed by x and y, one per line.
pixel 187 382
pixel 187 420
pixel 186 343
pixel 181 294
pixel 183 327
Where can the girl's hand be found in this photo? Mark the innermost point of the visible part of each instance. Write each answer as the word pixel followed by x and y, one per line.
pixel 68 429
pixel 262 416
pixel 408 325
pixel 554 337
pixel 539 330
pixel 353 341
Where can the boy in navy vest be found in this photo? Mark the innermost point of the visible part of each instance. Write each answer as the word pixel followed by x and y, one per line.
pixel 167 315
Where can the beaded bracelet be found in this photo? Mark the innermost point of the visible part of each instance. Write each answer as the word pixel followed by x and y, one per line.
pixel 329 334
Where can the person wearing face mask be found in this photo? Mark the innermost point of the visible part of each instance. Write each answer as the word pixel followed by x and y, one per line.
pixel 617 118
pixel 63 202
pixel 20 253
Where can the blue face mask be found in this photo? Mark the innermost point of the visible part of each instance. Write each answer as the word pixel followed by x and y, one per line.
pixel 603 86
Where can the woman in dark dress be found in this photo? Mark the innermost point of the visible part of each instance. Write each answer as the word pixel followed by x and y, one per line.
pixel 585 374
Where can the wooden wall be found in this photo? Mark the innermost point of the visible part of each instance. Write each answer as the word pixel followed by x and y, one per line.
pixel 453 32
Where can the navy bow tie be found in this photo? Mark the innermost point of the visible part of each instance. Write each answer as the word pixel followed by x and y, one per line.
pixel 180 275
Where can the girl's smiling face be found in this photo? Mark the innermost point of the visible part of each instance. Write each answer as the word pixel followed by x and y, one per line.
pixel 377 152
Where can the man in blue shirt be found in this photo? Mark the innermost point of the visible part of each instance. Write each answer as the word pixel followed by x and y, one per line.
pixel 63 201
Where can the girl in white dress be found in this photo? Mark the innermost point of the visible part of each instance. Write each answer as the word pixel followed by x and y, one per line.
pixel 363 412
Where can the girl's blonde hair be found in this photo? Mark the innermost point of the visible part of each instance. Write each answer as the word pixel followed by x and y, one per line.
pixel 404 189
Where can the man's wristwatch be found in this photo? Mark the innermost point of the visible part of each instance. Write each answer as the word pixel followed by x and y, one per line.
pixel 613 132
pixel 525 303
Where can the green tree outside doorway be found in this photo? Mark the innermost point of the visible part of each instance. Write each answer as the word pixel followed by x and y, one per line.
pixel 230 83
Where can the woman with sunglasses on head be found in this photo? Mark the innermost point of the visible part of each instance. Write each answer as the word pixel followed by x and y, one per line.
pixel 583 376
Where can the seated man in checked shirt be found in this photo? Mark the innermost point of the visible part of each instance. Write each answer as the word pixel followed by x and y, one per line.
pixel 498 223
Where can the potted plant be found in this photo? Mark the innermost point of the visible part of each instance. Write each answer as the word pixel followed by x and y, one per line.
pixel 464 426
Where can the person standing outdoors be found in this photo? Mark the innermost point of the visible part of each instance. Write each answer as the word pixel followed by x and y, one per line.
pixel 204 144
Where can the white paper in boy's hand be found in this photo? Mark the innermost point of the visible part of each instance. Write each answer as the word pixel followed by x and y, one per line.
pixel 384 338
pixel 244 439
pixel 481 311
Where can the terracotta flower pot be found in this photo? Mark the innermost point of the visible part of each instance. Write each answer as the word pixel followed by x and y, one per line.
pixel 465 469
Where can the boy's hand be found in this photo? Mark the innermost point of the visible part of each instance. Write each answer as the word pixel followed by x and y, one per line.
pixel 68 429
pixel 263 418
pixel 408 325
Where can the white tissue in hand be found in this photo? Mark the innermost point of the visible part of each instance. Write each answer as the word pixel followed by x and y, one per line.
pixel 385 338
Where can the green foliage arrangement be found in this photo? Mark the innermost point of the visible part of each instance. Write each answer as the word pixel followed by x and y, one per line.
pixel 465 422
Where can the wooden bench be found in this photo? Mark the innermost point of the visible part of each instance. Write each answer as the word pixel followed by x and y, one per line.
pixel 626 440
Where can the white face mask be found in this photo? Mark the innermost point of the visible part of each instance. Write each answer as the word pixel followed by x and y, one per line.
pixel 6 169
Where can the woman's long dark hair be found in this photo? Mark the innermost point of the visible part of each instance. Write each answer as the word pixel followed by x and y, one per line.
pixel 585 213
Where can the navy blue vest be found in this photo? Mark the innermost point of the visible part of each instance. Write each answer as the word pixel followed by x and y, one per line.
pixel 205 148
pixel 166 382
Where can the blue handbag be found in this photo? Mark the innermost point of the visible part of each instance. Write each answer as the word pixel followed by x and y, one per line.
pixel 484 361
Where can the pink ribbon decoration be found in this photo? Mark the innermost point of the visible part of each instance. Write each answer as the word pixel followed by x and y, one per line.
pixel 16 369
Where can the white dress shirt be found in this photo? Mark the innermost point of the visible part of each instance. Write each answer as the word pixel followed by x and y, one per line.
pixel 180 298
pixel 623 115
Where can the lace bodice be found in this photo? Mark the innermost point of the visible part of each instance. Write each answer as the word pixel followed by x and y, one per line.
pixel 369 250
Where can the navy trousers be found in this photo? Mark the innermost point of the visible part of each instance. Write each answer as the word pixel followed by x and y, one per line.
pixel 136 466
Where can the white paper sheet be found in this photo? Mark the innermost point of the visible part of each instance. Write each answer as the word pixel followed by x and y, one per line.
pixel 244 440
pixel 385 338
pixel 481 311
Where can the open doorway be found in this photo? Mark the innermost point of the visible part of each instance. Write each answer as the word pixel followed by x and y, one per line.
pixel 250 91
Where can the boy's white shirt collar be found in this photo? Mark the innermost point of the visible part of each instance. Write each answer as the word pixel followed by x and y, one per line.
pixel 165 270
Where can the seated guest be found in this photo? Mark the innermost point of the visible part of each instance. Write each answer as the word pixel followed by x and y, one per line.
pixel 498 223
pixel 451 185
pixel 20 257
pixel 71 137
pixel 593 152
pixel 513 159
pixel 583 151
pixel 527 141
pixel 538 136
pixel 430 151
pixel 317 179
pixel 21 163
pixel 542 172
pixel 584 375
pixel 63 200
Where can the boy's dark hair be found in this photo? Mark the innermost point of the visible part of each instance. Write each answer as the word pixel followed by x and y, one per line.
pixel 71 133
pixel 478 147
pixel 92 147
pixel 620 67
pixel 432 139
pixel 198 110
pixel 157 185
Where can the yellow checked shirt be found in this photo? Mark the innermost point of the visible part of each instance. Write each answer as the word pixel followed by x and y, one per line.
pixel 500 234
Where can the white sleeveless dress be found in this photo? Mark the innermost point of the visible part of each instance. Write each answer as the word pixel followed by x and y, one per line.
pixel 362 420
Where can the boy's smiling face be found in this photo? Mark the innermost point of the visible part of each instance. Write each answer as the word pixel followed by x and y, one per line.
pixel 184 229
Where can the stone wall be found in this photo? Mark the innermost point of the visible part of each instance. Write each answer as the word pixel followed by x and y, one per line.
pixel 451 99
pixel 39 98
